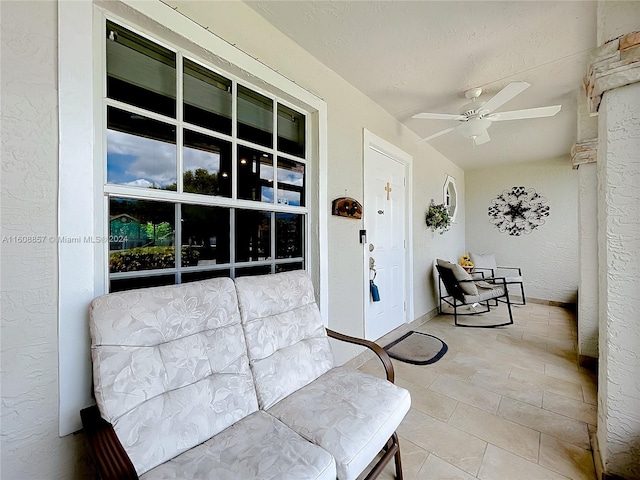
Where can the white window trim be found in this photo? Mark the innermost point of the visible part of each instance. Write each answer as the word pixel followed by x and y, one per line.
pixel 80 262
pixel 451 181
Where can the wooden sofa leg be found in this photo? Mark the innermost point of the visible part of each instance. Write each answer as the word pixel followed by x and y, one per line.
pixel 399 475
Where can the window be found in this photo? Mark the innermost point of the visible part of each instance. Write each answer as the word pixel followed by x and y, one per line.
pixel 205 176
pixel 450 196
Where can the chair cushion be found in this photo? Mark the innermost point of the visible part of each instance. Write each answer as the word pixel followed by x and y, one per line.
pixel 485 294
pixel 257 447
pixel 170 367
pixel 469 288
pixel 349 413
pixel 286 339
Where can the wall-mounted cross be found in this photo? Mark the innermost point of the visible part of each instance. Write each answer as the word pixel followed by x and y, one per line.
pixel 388 190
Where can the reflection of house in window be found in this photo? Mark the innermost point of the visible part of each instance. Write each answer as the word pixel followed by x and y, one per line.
pixel 450 195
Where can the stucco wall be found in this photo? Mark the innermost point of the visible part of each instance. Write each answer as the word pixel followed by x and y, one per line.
pixel 619 249
pixel 31 447
pixel 588 260
pixel 548 256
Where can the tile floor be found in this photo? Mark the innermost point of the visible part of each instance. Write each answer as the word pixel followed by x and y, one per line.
pixel 508 403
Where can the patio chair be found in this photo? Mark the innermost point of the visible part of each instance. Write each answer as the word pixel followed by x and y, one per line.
pixel 463 290
pixel 485 263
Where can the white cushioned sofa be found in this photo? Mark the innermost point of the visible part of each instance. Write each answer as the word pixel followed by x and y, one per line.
pixel 233 379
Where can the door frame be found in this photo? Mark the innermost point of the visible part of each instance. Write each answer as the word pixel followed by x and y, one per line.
pixel 372 141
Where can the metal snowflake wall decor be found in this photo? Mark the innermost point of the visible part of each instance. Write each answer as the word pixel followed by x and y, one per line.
pixel 518 211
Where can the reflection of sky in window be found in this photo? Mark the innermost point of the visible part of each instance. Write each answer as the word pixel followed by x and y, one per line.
pixel 266 194
pixel 289 198
pixel 266 172
pixel 139 161
pixel 194 159
pixel 291 177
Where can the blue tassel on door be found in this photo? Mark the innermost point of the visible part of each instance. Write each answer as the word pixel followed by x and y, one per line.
pixel 375 294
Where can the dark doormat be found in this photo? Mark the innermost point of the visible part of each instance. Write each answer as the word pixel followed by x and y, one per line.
pixel 417 348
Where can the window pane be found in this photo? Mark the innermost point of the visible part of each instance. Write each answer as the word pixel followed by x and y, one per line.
pixel 207 274
pixel 290 182
pixel 288 267
pixel 289 228
pixel 205 235
pixel 206 164
pixel 141 235
pixel 255 117
pixel 291 131
pixel 140 72
pixel 118 285
pixel 253 235
pixel 255 175
pixel 207 98
pixel 246 271
pixel 141 152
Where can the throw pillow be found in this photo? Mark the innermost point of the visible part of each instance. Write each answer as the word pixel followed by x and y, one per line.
pixel 469 288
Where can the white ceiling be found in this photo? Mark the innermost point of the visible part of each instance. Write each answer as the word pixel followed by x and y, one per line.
pixel 421 56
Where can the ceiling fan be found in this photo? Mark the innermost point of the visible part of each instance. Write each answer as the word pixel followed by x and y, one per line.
pixel 476 116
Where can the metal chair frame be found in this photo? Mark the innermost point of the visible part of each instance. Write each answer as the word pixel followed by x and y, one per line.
pixel 493 273
pixel 455 298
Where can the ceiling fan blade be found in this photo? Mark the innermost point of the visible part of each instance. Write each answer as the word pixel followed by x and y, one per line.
pixel 526 113
pixel 480 139
pixel 504 95
pixel 442 132
pixel 439 116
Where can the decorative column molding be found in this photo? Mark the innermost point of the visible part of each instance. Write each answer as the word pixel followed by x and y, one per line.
pixel 614 64
pixel 583 152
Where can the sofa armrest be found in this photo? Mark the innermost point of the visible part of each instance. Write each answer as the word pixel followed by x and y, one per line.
pixel 377 349
pixel 111 460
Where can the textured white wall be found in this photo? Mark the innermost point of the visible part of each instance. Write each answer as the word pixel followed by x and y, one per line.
pixel 31 447
pixel 588 261
pixel 549 255
pixel 619 250
pixel 587 237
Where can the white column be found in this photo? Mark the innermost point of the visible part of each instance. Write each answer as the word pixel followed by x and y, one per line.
pixel 613 93
pixel 619 250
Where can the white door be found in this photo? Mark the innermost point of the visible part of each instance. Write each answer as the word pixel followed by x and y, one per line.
pixel 384 221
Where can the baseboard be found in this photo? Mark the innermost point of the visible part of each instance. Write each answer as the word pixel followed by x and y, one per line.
pixel 597 458
pixel 552 303
pixel 366 355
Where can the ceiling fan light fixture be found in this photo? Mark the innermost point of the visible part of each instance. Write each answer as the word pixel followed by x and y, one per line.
pixel 474 128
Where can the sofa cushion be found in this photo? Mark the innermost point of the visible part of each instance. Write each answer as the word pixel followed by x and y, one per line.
pixel 257 447
pixel 170 367
pixel 287 342
pixel 469 288
pixel 349 413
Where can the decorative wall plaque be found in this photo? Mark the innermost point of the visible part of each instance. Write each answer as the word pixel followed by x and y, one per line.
pixel 346 207
pixel 518 211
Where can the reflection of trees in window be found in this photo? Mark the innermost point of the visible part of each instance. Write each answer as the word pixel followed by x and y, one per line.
pixel 253 235
pixel 206 229
pixel 198 181
pixel 288 235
